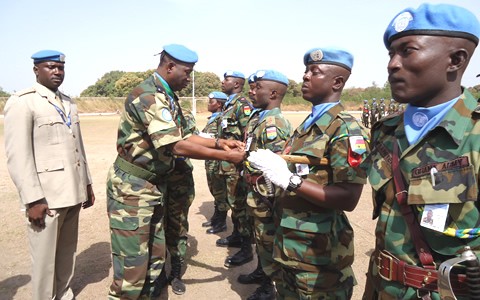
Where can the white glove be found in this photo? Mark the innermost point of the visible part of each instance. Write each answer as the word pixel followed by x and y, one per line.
pixel 272 165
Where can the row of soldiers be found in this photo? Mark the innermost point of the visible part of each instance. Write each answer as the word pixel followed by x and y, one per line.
pixel 373 112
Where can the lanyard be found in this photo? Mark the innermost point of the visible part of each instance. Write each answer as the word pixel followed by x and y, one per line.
pixel 66 119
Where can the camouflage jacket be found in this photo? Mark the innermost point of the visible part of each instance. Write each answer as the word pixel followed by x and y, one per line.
pixel 211 166
pixel 149 123
pixel 271 132
pixel 453 149
pixel 232 126
pixel 313 237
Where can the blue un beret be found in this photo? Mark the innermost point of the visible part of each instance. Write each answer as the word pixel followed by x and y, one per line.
pixel 218 95
pixel 48 55
pixel 181 53
pixel 331 56
pixel 271 75
pixel 236 74
pixel 433 19
pixel 251 79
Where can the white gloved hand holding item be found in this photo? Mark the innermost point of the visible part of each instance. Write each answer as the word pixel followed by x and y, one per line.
pixel 272 165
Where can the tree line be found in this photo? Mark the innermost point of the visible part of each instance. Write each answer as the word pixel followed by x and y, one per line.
pixel 120 83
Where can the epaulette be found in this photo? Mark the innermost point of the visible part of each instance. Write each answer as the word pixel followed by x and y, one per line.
pixel 25 92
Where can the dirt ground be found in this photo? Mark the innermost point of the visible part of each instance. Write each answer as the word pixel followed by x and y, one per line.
pixel 206 277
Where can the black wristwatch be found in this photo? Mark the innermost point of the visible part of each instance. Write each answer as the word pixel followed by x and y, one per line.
pixel 295 182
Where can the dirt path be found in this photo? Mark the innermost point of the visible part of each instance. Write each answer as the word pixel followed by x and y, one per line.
pixel 206 277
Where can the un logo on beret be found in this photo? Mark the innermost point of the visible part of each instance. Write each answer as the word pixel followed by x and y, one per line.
pixel 316 55
pixel 260 74
pixel 401 21
pixel 211 96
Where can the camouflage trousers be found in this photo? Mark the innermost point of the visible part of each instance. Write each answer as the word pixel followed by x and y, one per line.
pixel 218 189
pixel 298 284
pixel 180 195
pixel 264 230
pixel 237 200
pixel 138 248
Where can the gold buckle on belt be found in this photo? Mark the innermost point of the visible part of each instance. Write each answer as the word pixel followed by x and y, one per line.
pixel 381 256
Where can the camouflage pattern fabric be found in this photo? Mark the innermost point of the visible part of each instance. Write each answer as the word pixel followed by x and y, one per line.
pixel 233 121
pixel 271 132
pixel 452 147
pixel 296 284
pixel 150 122
pixel 180 195
pixel 310 238
pixel 216 183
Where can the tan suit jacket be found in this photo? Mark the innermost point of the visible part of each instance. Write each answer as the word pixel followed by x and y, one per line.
pixel 45 158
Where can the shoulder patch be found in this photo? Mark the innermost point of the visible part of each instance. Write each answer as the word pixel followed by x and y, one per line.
pixel 25 91
pixel 247 110
pixel 271 132
pixel 166 115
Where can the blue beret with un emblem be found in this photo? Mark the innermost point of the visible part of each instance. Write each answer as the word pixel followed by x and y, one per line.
pixel 251 79
pixel 271 75
pixel 181 53
pixel 331 56
pixel 236 74
pixel 218 95
pixel 48 55
pixel 433 19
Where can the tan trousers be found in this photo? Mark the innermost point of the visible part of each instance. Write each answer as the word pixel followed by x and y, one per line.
pixel 53 250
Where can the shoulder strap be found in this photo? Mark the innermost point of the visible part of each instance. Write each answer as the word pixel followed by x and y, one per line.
pixel 423 249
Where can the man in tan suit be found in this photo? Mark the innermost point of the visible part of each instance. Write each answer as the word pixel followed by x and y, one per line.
pixel 47 163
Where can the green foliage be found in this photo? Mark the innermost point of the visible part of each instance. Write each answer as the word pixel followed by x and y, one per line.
pixel 105 86
pixel 3 93
pixel 205 82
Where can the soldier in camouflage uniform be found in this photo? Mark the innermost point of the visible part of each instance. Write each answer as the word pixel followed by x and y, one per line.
pixel 215 182
pixel 267 129
pixel 152 132
pixel 314 239
pixel 234 119
pixel 180 195
pixel 426 158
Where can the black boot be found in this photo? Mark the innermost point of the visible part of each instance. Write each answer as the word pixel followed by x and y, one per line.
pixel 175 278
pixel 219 224
pixel 257 276
pixel 265 292
pixel 209 222
pixel 233 240
pixel 243 256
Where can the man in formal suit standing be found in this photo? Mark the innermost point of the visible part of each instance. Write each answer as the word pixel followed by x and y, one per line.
pixel 47 163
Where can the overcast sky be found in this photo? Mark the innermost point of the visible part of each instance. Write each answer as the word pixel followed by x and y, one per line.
pixel 105 35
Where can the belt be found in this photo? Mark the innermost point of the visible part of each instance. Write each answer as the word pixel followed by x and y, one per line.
pixel 391 268
pixel 135 170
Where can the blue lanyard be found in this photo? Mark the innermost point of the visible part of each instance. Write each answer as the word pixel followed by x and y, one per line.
pixel 66 119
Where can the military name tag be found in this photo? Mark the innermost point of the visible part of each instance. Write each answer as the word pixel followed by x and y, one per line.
pixel 456 163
